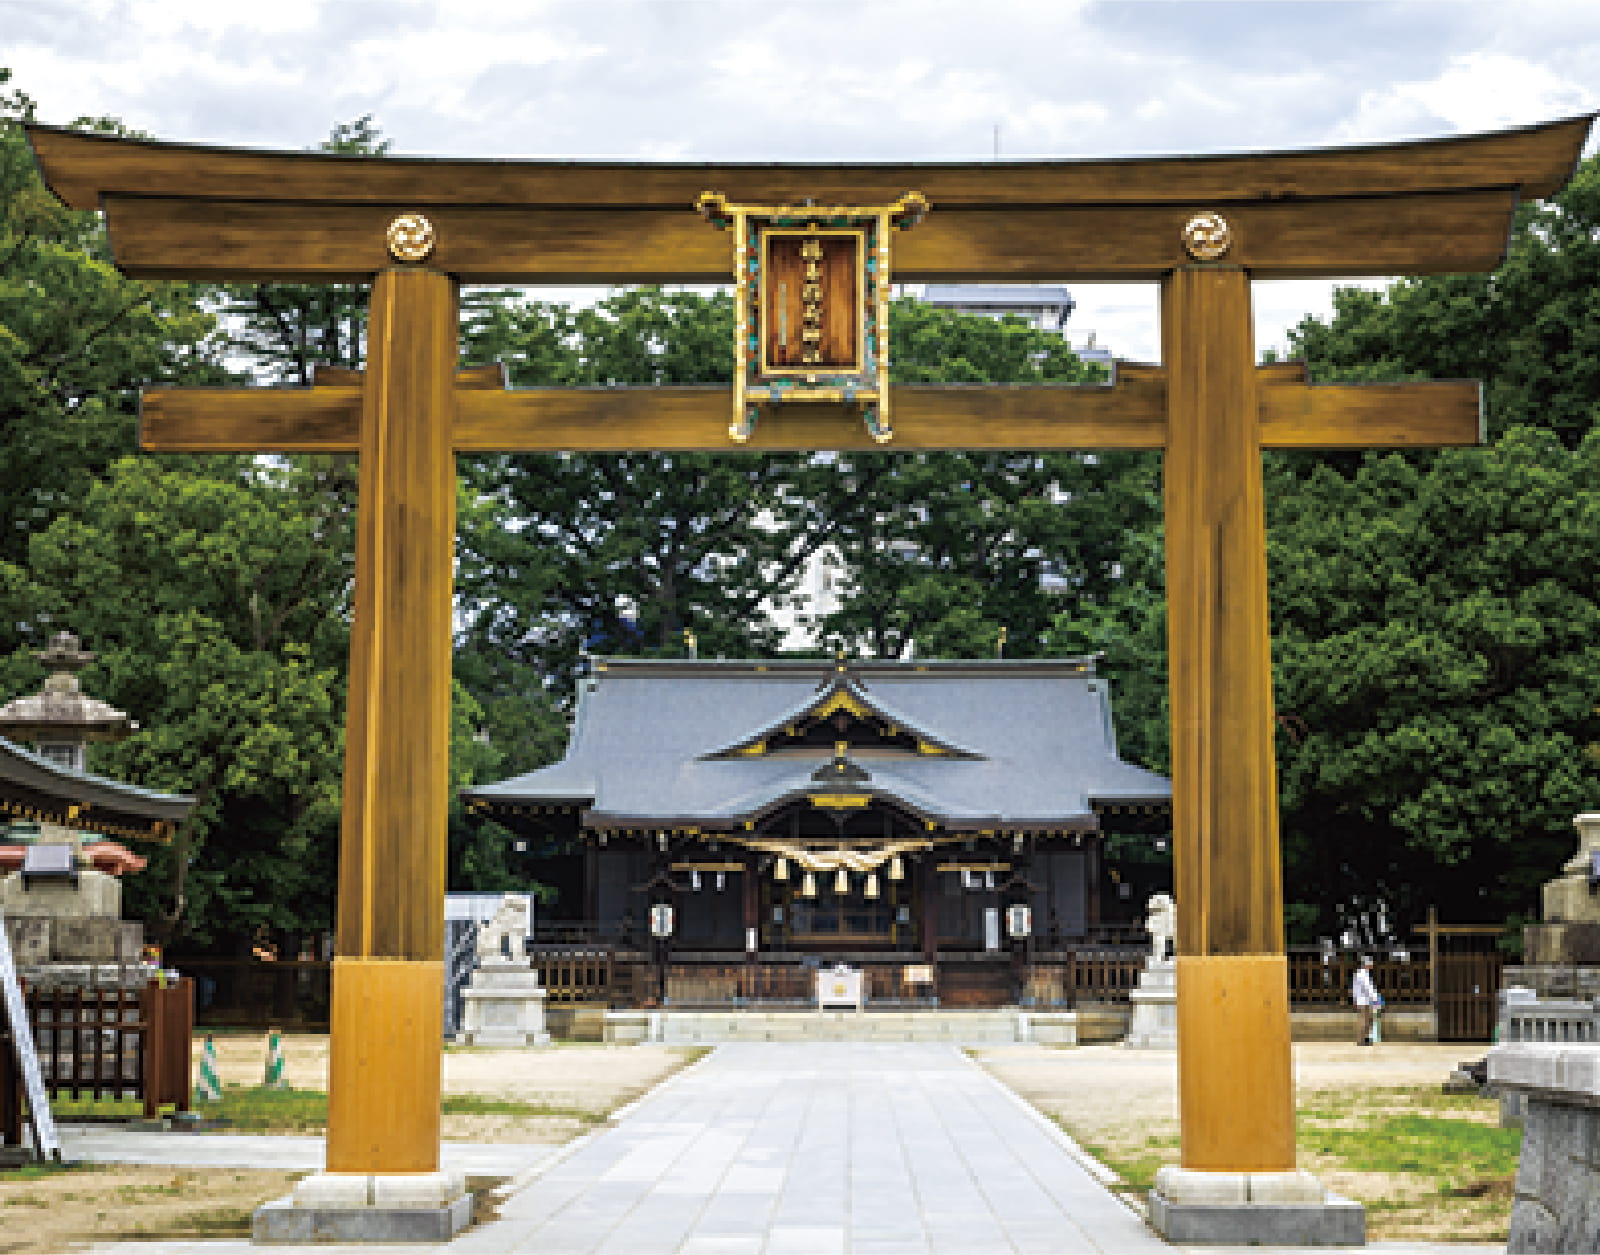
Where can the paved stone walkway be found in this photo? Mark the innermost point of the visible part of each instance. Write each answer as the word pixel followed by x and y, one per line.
pixel 817 1149
pixel 811 1149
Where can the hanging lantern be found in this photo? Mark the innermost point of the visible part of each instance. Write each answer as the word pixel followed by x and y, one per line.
pixel 780 869
pixel 808 886
pixel 841 882
pixel 722 881
pixel 871 889
pixel 897 869
pixel 694 879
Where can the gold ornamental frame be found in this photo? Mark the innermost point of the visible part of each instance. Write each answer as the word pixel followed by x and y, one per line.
pixel 757 380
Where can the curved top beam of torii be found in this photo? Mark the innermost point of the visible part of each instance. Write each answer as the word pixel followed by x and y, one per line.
pixel 202 212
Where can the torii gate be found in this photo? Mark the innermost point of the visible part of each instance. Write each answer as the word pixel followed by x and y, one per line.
pixel 189 212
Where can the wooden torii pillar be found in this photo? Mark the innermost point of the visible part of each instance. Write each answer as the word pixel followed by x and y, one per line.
pixel 1201 227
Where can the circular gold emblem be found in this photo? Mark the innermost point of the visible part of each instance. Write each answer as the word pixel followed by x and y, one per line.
pixel 411 238
pixel 1207 237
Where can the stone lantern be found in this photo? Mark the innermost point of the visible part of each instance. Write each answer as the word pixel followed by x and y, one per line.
pixel 61 720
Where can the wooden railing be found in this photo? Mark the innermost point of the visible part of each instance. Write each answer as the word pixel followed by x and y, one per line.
pixel 1083 976
pixel 574 974
pixel 1321 979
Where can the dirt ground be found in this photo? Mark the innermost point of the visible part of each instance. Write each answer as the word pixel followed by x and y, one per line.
pixel 1126 1101
pixel 576 1085
pixel 65 1211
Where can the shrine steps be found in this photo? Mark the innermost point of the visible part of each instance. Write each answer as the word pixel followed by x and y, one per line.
pixel 985 1027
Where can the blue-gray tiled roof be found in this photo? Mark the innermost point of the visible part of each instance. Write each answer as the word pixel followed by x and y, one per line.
pixel 650 740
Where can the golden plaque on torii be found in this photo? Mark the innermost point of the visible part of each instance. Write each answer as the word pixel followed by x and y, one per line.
pixel 811 304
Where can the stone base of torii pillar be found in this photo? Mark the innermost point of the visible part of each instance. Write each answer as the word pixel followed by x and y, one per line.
pixel 365 1207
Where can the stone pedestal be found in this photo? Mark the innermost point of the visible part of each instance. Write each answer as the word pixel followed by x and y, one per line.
pixel 1154 1025
pixel 68 934
pixel 355 1207
pixel 1570 933
pixel 1190 1208
pixel 1557 1206
pixel 91 895
pixel 503 1006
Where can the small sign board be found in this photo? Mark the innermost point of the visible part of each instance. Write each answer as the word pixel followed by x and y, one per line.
pixel 917 973
pixel 45 1140
pixel 839 987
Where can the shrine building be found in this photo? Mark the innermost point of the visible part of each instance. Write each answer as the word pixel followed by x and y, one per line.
pixel 933 822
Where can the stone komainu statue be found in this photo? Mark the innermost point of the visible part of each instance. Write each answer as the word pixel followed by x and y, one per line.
pixel 1161 922
pixel 506 931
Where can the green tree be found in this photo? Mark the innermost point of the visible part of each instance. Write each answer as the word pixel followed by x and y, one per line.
pixel 77 340
pixel 215 592
pixel 1437 653
pixel 614 553
pixel 1434 612
pixel 944 550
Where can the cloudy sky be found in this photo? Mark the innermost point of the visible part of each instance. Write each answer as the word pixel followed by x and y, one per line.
pixel 819 79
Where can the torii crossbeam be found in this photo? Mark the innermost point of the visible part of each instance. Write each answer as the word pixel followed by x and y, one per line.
pixel 181 211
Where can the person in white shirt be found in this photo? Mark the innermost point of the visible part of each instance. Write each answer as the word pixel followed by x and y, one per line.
pixel 1367 999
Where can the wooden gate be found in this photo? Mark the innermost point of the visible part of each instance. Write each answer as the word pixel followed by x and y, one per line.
pixel 107 1043
pixel 1467 991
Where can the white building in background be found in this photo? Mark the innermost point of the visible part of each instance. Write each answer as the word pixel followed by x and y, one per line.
pixel 1041 307
pixel 1044 307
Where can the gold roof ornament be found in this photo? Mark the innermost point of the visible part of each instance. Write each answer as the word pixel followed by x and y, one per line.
pixel 410 238
pixel 1207 236
pixel 811 304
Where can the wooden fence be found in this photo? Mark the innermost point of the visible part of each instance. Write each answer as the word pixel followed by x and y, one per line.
pixel 1320 979
pixel 574 974
pixel 106 1043
pixel 295 994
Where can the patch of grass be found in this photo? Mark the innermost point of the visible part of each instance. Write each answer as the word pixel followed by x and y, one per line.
pixel 1446 1147
pixel 482 1105
pixel 1456 1155
pixel 1137 1166
pixel 34 1170
pixel 66 1108
pixel 258 1110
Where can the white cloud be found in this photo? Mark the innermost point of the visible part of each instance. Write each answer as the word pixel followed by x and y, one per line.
pixel 217 16
pixel 1477 91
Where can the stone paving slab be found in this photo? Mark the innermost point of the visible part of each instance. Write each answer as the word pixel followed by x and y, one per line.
pixel 829 1148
